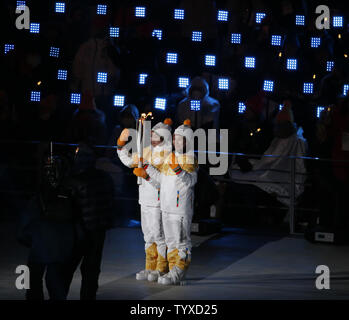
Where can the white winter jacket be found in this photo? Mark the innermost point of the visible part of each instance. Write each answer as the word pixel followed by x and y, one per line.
pixel 177 189
pixel 149 190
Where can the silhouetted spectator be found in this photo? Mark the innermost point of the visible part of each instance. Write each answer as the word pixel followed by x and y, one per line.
pixel 207 114
pixel 88 123
pixel 331 86
pixel 94 56
pixel 286 142
pixel 93 193
pixel 255 132
pixel 47 228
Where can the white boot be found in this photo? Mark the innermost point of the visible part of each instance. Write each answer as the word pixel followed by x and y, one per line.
pixel 143 275
pixel 155 275
pixel 175 277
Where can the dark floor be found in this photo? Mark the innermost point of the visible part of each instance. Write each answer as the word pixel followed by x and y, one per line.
pixel 231 265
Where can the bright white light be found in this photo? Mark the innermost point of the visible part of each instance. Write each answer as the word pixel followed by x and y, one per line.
pixel 276 40
pixel 54 52
pixel 101 9
pixel 196 36
pixel 260 16
pixel 62 74
pixel 291 64
pixel 222 15
pixel 20 5
pixel 308 87
pixel 171 58
pixel 9 47
pixel 157 33
pixel 142 77
pixel 337 22
pixel 140 12
pixel 329 65
pixel 300 20
pixel 114 32
pixel 250 62
pixel 34 28
pixel 75 98
pixel 242 107
pixel 60 7
pixel 236 38
pixel 319 110
pixel 210 60
pixel 345 89
pixel 195 105
pixel 179 14
pixel 315 42
pixel 223 84
pixel 119 101
pixel 35 96
pixel 183 82
pixel 160 103
pixel 102 77
pixel 268 85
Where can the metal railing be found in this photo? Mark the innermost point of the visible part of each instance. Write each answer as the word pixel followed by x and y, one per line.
pixel 292 173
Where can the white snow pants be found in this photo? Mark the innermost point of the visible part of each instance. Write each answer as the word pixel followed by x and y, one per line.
pixel 155 245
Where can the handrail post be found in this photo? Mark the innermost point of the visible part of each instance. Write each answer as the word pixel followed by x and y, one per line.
pixel 292 194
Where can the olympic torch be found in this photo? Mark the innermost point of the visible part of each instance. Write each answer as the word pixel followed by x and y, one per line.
pixel 140 140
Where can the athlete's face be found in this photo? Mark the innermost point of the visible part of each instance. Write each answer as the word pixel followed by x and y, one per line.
pixel 178 142
pixel 155 139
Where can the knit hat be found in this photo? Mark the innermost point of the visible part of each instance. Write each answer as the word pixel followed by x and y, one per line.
pixel 163 129
pixel 185 130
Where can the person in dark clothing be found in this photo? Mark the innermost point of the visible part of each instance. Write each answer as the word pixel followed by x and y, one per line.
pixel 93 191
pixel 340 154
pixel 255 133
pixel 46 227
pixel 88 123
pixel 331 85
pixel 66 223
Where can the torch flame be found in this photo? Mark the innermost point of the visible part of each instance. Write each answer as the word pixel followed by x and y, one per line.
pixel 146 116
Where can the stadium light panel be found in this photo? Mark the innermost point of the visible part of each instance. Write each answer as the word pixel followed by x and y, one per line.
pixel 183 82
pixel 75 98
pixel 308 87
pixel 102 77
pixel 210 60
pixel 178 14
pixel 268 85
pixel 62 74
pixel 242 107
pixel 235 38
pixel 160 103
pixel 250 62
pixel 102 9
pixel 119 101
pixel 195 105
